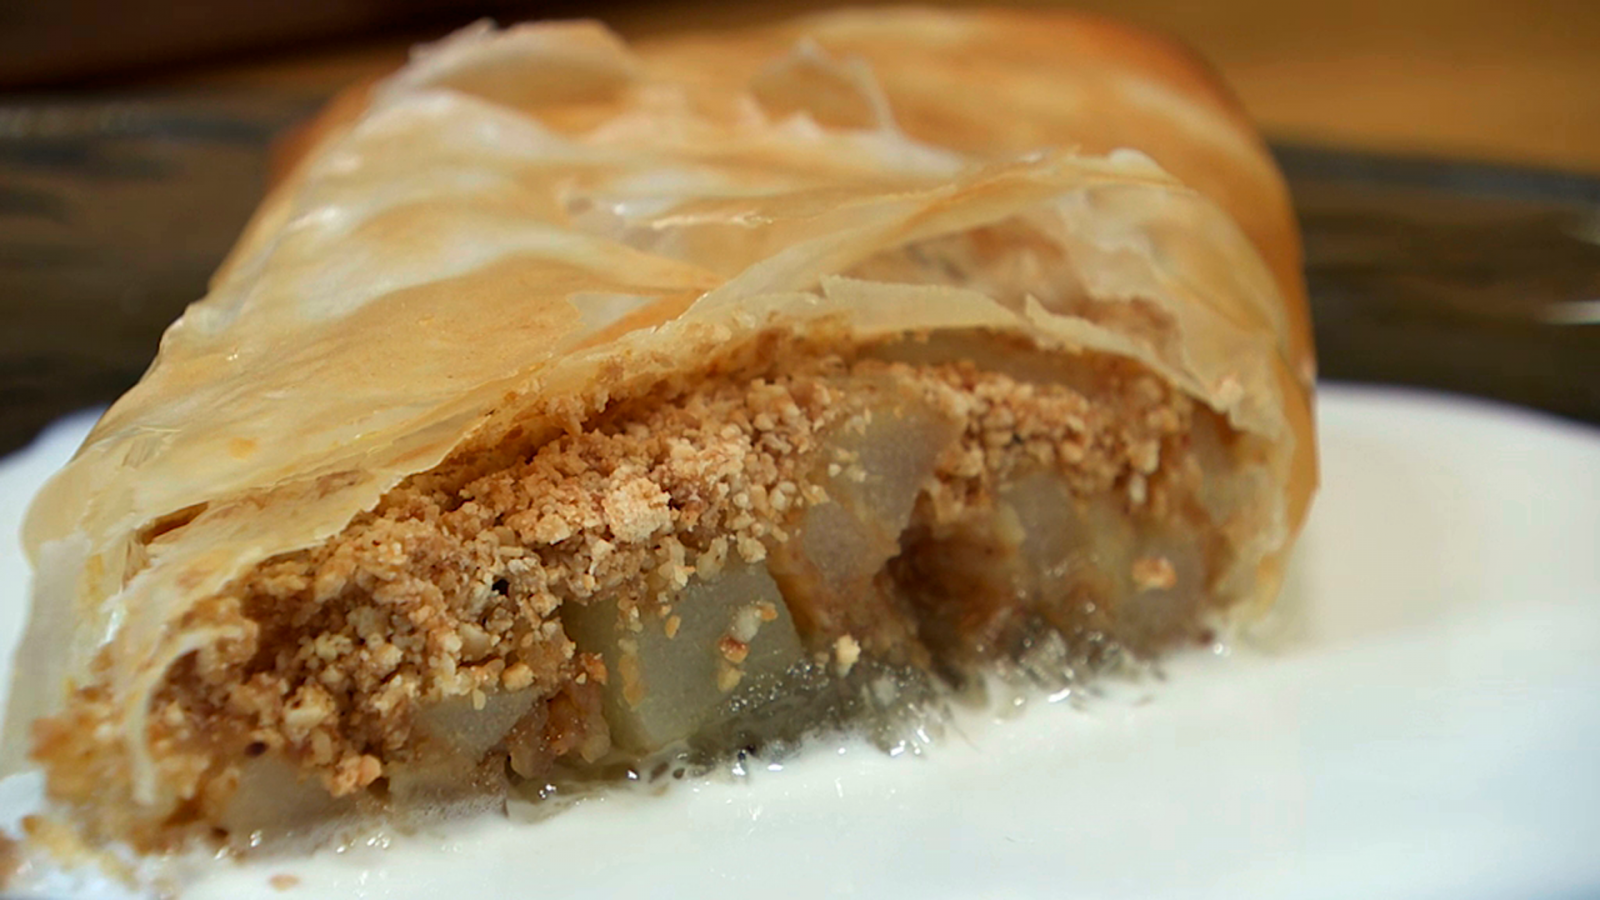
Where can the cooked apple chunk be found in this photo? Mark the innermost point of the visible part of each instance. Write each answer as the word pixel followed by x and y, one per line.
pixel 872 465
pixel 672 670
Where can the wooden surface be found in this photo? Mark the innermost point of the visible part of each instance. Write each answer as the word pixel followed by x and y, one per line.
pixel 1495 80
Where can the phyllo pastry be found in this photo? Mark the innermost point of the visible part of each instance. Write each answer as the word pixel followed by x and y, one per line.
pixel 568 404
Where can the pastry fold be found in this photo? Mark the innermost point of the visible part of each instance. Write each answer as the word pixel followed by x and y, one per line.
pixel 567 401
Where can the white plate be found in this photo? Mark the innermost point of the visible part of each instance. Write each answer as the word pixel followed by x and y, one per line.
pixel 1421 719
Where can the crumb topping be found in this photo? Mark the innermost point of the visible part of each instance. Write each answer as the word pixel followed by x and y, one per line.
pixel 1154 573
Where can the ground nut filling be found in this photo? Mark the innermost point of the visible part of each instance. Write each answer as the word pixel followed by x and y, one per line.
pixel 453 588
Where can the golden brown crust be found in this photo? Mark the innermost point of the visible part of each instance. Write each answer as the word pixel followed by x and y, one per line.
pixel 1069 58
pixel 295 144
pixel 995 82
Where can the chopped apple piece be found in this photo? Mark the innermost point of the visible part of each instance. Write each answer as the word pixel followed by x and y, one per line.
pixel 433 783
pixel 873 467
pixel 276 800
pixel 1043 560
pixel 673 672
pixel 450 765
pixel 469 725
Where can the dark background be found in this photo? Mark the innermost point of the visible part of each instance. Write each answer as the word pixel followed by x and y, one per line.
pixel 1503 80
